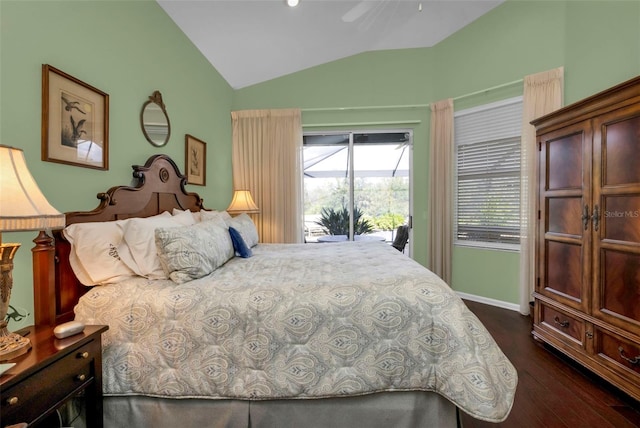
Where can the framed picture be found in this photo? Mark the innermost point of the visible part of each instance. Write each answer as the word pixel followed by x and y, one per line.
pixel 196 160
pixel 75 121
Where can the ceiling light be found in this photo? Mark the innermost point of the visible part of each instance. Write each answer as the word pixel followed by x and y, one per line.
pixel 292 3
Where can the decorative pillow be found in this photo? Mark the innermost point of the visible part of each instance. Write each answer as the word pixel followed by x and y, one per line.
pixel 191 252
pixel 238 243
pixel 247 229
pixel 139 236
pixel 97 252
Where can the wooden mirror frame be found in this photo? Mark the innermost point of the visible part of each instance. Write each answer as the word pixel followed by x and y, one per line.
pixel 148 127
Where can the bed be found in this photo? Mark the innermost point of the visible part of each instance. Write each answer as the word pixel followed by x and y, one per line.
pixel 207 327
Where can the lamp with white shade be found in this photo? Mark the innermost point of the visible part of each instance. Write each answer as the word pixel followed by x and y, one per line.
pixel 23 207
pixel 242 202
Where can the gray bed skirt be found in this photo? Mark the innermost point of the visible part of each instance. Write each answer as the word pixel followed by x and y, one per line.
pixel 384 410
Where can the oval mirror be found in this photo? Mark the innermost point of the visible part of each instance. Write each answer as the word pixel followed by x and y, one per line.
pixel 155 121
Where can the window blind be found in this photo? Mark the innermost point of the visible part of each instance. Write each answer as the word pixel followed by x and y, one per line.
pixel 487 140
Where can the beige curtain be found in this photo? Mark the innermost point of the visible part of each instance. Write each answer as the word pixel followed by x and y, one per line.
pixel 543 93
pixel 441 189
pixel 267 153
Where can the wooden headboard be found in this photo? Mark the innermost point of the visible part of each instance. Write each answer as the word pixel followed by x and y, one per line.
pixel 159 187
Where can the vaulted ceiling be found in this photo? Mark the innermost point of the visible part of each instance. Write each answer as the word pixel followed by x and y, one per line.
pixel 252 41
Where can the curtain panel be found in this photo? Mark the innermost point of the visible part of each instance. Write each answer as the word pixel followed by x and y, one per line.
pixel 441 165
pixel 543 93
pixel 266 158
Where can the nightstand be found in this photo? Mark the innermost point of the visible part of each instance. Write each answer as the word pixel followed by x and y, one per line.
pixel 51 373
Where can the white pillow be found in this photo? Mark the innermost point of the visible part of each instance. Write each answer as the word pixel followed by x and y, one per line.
pixel 243 224
pixel 212 215
pixel 78 269
pixel 98 252
pixel 196 215
pixel 185 218
pixel 139 236
pixel 191 252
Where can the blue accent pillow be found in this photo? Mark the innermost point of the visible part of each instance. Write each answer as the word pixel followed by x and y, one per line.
pixel 238 243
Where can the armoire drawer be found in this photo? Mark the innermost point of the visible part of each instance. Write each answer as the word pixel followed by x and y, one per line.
pixel 620 355
pixel 571 329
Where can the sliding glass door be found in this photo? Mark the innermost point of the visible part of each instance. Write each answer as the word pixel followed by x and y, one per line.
pixel 356 185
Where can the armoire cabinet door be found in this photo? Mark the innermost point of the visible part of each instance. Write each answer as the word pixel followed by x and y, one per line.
pixel 616 242
pixel 564 240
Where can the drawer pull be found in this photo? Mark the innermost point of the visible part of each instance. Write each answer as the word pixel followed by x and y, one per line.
pixel 563 324
pixel 84 355
pixel 12 401
pixel 633 361
pixel 81 377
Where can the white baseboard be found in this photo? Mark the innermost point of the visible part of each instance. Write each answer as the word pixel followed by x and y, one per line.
pixel 488 301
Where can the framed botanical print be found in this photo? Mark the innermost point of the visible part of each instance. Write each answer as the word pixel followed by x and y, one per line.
pixel 196 160
pixel 75 121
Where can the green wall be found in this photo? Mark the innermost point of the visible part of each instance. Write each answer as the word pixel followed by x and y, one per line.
pixel 597 42
pixel 127 49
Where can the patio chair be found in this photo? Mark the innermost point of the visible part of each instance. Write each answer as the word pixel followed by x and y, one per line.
pixel 402 236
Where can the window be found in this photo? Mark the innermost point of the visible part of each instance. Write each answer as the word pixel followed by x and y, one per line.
pixel 356 185
pixel 487 153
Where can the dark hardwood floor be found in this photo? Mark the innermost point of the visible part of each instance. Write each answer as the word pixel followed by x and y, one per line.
pixel 552 390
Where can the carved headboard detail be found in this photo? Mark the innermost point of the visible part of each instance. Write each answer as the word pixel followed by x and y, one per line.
pixel 159 187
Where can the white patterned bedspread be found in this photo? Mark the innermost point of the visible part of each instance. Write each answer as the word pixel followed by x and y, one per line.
pixel 300 321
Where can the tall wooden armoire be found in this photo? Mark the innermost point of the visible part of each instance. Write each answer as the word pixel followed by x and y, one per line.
pixel 587 296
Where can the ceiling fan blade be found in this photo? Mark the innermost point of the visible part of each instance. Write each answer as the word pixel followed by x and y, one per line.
pixel 357 11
